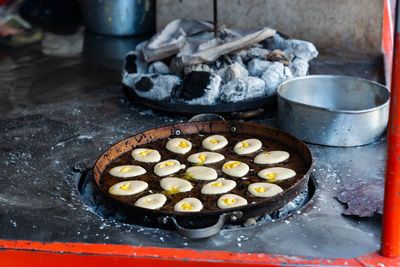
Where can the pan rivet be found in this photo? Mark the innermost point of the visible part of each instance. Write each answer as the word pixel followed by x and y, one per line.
pixel 162 220
pixel 233 129
pixel 233 218
pixel 178 132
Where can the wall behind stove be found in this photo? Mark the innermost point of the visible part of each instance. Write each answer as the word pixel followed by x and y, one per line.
pixel 348 25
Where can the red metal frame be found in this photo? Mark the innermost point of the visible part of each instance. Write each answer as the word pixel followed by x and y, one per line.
pixel 28 253
pixel 391 219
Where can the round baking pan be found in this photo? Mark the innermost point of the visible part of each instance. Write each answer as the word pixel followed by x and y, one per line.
pixel 206 223
pixel 333 110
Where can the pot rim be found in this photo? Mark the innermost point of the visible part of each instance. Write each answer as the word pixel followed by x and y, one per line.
pixel 333 110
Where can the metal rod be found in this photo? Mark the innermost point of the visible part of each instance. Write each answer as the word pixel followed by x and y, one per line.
pixel 391 213
pixel 215 18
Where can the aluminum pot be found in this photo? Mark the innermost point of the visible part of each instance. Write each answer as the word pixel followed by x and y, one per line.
pixel 119 17
pixel 333 110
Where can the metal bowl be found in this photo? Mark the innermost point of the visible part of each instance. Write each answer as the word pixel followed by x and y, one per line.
pixel 333 110
pixel 119 17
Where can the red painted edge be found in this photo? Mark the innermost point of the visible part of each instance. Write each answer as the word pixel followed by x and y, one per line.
pixel 46 254
pixel 391 210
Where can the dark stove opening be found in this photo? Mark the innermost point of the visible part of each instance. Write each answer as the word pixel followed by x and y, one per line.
pixel 99 204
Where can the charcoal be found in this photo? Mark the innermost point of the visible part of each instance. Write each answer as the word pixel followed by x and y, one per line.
pixel 240 89
pixel 301 49
pixel 200 87
pixel 144 84
pixel 130 65
pixel 231 72
pixel 258 66
pixel 242 59
pixel 272 79
pixel 195 84
pixel 198 68
pixel 299 67
pixel 156 86
pixel 363 199
pixel 159 67
pixel 254 52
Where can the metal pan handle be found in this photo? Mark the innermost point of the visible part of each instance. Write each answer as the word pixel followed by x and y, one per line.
pixel 205 232
pixel 206 117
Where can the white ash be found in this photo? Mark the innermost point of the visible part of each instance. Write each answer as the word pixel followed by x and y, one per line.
pixel 257 67
pixel 233 71
pixel 140 62
pixel 159 67
pixel 240 89
pixel 162 86
pixel 211 93
pixel 299 67
pixel 273 73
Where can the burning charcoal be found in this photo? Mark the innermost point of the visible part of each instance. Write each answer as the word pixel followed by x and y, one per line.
pixel 200 87
pixel 232 72
pixel 156 87
pixel 302 49
pixel 287 74
pixel 363 198
pixel 258 66
pixel 159 67
pixel 299 67
pixel 241 89
pixel 272 80
pixel 273 76
pixel 205 62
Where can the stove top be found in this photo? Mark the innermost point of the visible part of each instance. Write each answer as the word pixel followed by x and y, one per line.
pixel 40 200
pixel 44 148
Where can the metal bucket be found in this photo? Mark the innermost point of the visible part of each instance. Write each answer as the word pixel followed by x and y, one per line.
pixel 119 17
pixel 333 110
